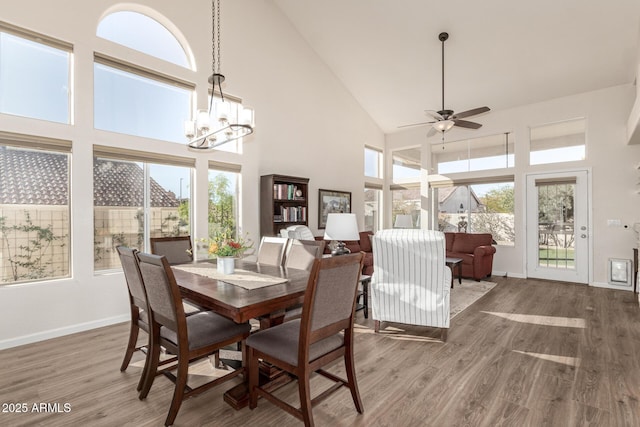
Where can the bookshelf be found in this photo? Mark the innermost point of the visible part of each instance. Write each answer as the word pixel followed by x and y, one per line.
pixel 284 201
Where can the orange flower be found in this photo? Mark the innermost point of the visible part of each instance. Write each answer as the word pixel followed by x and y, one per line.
pixel 213 248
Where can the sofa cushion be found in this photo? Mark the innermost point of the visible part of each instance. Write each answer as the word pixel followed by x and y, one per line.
pixel 448 241
pixel 466 258
pixel 468 242
pixel 365 241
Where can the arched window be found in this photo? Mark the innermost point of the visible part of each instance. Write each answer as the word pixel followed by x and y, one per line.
pixel 144 34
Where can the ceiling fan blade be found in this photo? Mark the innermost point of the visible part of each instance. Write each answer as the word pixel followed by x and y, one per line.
pixel 467 124
pixel 415 124
pixel 470 113
pixel 434 114
pixel 431 132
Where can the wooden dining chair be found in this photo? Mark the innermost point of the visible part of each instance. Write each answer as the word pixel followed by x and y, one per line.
pixel 301 254
pixel 137 304
pixel 177 249
pixel 324 334
pixel 189 337
pixel 139 311
pixel 271 250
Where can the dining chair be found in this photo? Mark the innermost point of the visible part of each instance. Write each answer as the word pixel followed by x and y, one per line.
pixel 271 250
pixel 301 254
pixel 322 335
pixel 189 337
pixel 139 310
pixel 177 249
pixel 137 304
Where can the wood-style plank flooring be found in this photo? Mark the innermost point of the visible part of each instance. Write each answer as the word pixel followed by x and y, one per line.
pixel 529 353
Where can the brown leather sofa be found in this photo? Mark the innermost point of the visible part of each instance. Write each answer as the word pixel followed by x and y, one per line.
pixel 362 245
pixel 475 250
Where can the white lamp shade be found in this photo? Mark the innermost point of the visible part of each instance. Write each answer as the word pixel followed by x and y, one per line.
pixel 403 221
pixel 443 125
pixel 341 226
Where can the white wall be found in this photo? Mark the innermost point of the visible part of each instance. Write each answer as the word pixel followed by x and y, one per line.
pixel 609 157
pixel 307 124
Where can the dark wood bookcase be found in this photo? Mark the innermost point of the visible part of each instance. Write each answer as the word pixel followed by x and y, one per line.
pixel 284 201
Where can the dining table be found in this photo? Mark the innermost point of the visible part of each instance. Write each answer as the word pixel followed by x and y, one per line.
pixel 199 282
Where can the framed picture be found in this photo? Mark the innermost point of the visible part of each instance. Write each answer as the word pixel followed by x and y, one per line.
pixel 331 201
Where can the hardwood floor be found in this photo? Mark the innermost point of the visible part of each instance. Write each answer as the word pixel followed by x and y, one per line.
pixel 529 353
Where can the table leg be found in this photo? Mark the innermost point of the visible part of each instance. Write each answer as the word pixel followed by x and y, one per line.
pixel 365 295
pixel 238 396
pixel 460 273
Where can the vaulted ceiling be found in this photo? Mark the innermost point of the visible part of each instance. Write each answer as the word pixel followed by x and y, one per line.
pixel 500 53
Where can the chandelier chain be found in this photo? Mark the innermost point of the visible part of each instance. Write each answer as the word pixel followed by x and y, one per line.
pixel 217 24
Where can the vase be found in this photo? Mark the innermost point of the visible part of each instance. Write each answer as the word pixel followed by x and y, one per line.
pixel 226 265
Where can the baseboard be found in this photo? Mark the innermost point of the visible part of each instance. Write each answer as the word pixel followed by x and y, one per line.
pixel 59 332
pixel 507 274
pixel 610 286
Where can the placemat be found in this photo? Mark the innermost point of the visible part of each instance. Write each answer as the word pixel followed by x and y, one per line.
pixel 243 278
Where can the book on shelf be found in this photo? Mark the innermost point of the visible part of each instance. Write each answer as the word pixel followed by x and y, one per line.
pixel 286 192
pixel 293 213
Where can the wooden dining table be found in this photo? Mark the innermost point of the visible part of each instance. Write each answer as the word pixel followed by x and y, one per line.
pixel 267 304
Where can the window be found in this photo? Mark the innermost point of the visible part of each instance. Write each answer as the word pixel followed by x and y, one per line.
pixel 144 34
pixel 34 75
pixel 478 208
pixel 136 199
pixel 558 142
pixel 406 165
pixel 224 193
pixel 406 201
pixel 372 163
pixel 489 152
pixel 34 209
pixel 372 208
pixel 133 104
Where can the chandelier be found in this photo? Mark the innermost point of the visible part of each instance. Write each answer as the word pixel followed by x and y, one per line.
pixel 224 121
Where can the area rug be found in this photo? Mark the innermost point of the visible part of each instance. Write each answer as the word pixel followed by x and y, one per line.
pixel 466 293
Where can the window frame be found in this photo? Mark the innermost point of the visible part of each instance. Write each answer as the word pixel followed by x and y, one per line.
pixel 30 143
pixel 222 167
pixel 146 161
pixel 576 126
pixel 52 43
pixel 468 183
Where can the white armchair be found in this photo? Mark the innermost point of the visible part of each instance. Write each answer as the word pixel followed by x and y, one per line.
pixel 299 232
pixel 411 282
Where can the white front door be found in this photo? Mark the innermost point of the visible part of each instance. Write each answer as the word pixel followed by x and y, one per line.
pixel 558 226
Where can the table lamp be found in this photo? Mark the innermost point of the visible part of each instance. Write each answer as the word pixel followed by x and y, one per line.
pixel 341 227
pixel 403 221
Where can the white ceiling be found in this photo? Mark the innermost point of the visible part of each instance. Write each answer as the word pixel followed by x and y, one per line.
pixel 500 53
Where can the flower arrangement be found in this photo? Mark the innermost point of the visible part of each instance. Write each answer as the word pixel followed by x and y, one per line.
pixel 224 244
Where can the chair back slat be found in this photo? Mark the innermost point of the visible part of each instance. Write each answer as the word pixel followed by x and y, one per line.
pixel 302 253
pixel 162 291
pixel 132 276
pixel 330 297
pixel 271 250
pixel 176 249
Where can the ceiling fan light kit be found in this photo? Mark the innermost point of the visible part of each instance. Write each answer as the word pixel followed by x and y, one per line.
pixel 445 120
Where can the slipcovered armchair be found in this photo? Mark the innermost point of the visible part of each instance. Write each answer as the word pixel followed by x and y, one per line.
pixel 299 232
pixel 410 282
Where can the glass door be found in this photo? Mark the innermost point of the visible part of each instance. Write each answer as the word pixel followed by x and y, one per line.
pixel 558 227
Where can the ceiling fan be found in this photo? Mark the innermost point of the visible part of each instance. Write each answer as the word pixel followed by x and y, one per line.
pixel 444 120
